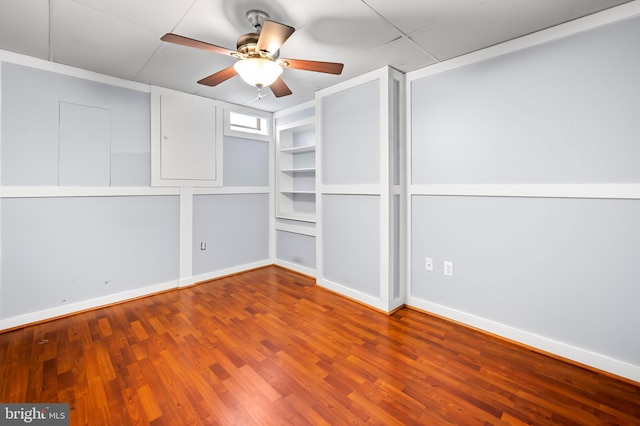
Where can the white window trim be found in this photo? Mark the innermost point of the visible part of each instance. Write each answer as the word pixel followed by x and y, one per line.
pixel 228 131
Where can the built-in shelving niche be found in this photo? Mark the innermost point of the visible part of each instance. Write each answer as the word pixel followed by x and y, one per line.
pixel 296 170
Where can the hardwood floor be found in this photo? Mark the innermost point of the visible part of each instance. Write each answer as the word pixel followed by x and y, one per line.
pixel 269 347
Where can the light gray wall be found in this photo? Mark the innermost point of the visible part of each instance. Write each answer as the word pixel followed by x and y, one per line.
pixel 42 113
pixel 59 130
pixel 351 136
pixel 554 113
pixel 567 269
pixel 564 269
pixel 246 162
pixel 57 251
pixel 235 228
pixel 351 241
pixel 296 248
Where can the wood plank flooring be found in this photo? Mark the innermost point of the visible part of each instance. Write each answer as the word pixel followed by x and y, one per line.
pixel 267 347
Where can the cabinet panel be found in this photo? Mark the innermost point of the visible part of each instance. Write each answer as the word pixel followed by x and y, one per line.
pixel 188 144
pixel 186 139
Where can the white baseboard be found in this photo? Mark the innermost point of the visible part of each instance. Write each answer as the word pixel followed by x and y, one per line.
pixel 295 267
pixel 58 311
pixel 579 355
pixel 356 295
pixel 185 282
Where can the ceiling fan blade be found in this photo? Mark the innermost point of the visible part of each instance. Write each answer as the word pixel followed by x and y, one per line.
pixel 317 66
pixel 219 77
pixel 280 88
pixel 273 35
pixel 189 42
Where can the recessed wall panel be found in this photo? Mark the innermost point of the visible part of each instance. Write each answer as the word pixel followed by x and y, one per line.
pixel 296 248
pixel 57 251
pixel 351 241
pixel 84 139
pixel 235 228
pixel 546 114
pixel 351 135
pixel 566 269
pixel 246 162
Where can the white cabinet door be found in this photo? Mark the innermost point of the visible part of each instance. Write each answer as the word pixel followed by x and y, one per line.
pixel 188 138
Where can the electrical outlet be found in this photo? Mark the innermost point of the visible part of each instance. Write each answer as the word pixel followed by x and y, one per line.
pixel 448 268
pixel 428 264
pixel 203 245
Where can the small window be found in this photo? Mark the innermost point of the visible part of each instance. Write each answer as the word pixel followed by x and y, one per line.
pixel 248 123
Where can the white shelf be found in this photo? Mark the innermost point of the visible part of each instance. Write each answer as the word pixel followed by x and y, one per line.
pixel 298 149
pixel 295 165
pixel 300 170
pixel 293 191
pixel 304 217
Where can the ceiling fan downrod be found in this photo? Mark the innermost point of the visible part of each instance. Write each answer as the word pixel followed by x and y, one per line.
pixel 256 18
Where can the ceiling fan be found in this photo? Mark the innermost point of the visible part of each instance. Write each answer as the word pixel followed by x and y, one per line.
pixel 257 53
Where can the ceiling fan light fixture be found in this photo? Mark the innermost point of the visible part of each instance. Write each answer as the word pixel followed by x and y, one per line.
pixel 259 72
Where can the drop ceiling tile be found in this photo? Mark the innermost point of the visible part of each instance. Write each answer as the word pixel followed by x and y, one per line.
pixel 208 21
pixel 87 38
pixel 315 80
pixel 412 15
pixel 340 34
pixel 24 27
pixel 154 14
pixel 402 54
pixel 179 67
pixel 294 13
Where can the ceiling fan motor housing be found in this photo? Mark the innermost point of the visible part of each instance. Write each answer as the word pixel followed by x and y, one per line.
pixel 247 43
